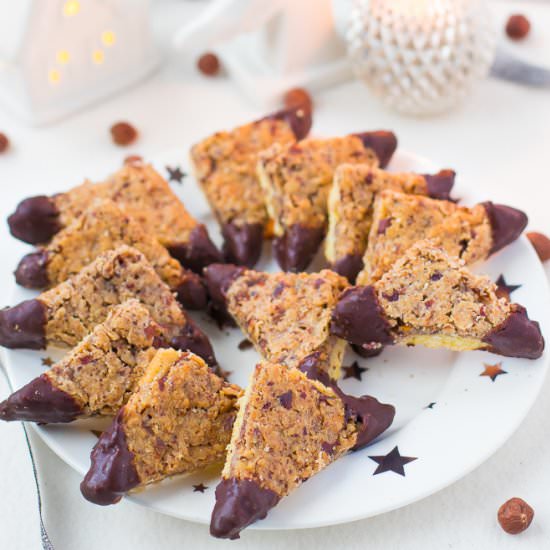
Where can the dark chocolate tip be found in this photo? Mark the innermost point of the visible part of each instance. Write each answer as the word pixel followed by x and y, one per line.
pixel 192 338
pixel 32 271
pixel 372 417
pixel 367 351
pixel 35 220
pixel 359 319
pixel 218 278
pixel 239 502
pixel 243 244
pixel 517 336
pixel 191 292
pixel 507 224
pixel 349 266
pixel 298 118
pixel 24 325
pixel 40 401
pixel 198 252
pixel 297 247
pixel 112 472
pixel 440 184
pixel 382 142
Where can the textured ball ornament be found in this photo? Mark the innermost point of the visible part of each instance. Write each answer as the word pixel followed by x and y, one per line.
pixel 421 57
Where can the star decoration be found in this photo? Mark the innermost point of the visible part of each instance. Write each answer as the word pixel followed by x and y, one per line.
pixel 392 462
pixel 225 374
pixel 492 371
pixel 245 344
pixel 503 289
pixel 47 361
pixel 354 371
pixel 431 405
pixel 97 433
pixel 175 174
pixel 200 488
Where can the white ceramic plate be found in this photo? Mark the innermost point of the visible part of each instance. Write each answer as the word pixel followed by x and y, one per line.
pixel 471 418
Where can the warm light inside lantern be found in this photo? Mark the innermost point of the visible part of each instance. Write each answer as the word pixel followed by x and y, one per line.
pixel 62 57
pixel 54 76
pixel 98 57
pixel 70 8
pixel 108 38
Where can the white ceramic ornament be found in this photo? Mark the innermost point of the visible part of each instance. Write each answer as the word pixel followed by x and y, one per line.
pixel 421 57
pixel 57 56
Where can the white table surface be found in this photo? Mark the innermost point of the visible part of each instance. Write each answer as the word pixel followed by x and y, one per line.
pixel 498 140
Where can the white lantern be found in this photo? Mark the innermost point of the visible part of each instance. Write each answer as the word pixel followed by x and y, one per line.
pixel 57 56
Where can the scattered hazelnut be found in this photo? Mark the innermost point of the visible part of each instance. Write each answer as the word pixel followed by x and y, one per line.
pixel 541 244
pixel 515 515
pixel 133 159
pixel 123 133
pixel 4 142
pixel 517 27
pixel 298 97
pixel 209 64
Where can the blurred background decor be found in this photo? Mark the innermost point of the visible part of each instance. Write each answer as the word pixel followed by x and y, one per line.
pixel 61 55
pixel 421 57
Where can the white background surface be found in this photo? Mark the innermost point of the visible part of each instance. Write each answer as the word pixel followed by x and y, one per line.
pixel 499 140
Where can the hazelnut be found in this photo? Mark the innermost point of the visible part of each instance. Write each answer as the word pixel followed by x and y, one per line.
pixel 4 142
pixel 123 133
pixel 541 244
pixel 133 159
pixel 515 515
pixel 298 97
pixel 518 27
pixel 208 64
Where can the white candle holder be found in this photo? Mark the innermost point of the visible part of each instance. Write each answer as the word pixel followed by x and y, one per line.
pixel 421 57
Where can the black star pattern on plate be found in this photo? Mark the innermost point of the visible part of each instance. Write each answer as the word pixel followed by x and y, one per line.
pixel 504 289
pixel 392 462
pixel 431 405
pixel 225 374
pixel 200 488
pixel 47 361
pixel 493 371
pixel 354 371
pixel 245 344
pixel 175 174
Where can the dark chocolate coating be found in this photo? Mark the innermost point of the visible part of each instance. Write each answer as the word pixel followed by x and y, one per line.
pixel 192 338
pixel 367 351
pixel 40 401
pixel 243 243
pixel 298 118
pixel 191 292
pixel 349 266
pixel 517 336
pixel 507 224
pixel 24 325
pixel 382 142
pixel 296 249
pixel 440 184
pixel 218 278
pixel 359 319
pixel 32 271
pixel 112 472
pixel 198 252
pixel 239 502
pixel 35 220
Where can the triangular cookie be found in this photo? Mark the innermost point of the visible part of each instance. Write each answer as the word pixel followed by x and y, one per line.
pixel 472 234
pixel 290 426
pixel 285 315
pixel 296 179
pixel 142 193
pixel 64 315
pixel 178 420
pixel 225 166
pixel 430 298
pixel 350 208
pixel 102 227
